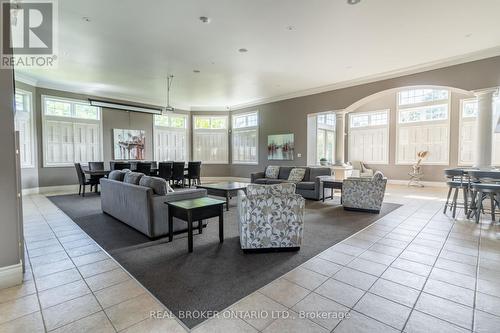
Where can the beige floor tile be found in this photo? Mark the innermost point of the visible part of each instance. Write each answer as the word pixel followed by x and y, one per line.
pixel 132 311
pixel 285 292
pixel 412 266
pixel 359 323
pixel 383 310
pixel 336 257
pixel 119 293
pixel 49 258
pixel 355 278
pixel 57 279
pixel 340 292
pixel 156 326
pixel 367 266
pixel 422 323
pixel 45 251
pixel 63 293
pixel 97 267
pixel 449 291
pixel 395 292
pixel 52 268
pixel 90 258
pixel 107 279
pixel 96 323
pixel 305 278
pixel 322 266
pixel 377 257
pixel 83 250
pixel 18 308
pixel 32 323
pixel 488 303
pixel 403 277
pixel 485 322
pixel 418 257
pixel 488 287
pixel 67 312
pixel 321 310
pixel 457 279
pixel 444 309
pixel 9 294
pixel 456 267
pixel 224 325
pixel 257 303
pixel 293 323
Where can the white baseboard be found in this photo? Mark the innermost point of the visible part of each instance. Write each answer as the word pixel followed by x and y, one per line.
pixel 11 276
pixel 425 183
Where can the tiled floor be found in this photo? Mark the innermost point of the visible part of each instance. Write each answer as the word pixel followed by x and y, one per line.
pixel 414 270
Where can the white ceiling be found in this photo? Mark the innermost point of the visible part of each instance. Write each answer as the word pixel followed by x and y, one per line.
pixel 128 47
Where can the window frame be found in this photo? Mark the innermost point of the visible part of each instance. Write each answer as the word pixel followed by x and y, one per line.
pixel 33 145
pixel 211 130
pixel 45 118
pixel 446 121
pixel 387 133
pixel 245 129
pixel 185 129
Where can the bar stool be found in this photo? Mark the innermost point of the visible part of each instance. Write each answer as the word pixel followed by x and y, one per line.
pixel 484 184
pixel 457 181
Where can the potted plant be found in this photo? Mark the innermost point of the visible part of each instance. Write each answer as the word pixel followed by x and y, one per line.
pixel 323 161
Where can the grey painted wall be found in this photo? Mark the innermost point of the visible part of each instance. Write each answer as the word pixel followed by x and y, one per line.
pixel 9 235
pixel 290 116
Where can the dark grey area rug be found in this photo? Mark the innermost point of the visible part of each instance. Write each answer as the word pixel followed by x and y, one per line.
pixel 215 275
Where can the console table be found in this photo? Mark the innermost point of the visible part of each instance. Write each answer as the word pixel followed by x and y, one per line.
pixel 195 210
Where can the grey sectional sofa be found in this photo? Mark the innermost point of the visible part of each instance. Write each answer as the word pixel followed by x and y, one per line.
pixel 140 208
pixel 310 187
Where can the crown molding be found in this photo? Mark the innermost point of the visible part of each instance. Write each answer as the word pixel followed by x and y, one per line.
pixel 211 108
pixel 21 77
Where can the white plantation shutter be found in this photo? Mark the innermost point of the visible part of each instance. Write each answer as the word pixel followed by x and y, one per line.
pixel 171 137
pixel 68 139
pixel 245 138
pixel 368 140
pixel 210 139
pixel 24 123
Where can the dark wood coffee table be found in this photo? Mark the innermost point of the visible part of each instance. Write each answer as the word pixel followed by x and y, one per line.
pixel 333 184
pixel 225 189
pixel 195 210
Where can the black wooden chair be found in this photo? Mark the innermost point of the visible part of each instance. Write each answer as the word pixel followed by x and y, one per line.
pixel 120 165
pixel 178 175
pixel 194 172
pixel 96 166
pixel 143 167
pixel 484 184
pixel 165 170
pixel 457 180
pixel 154 168
pixel 83 181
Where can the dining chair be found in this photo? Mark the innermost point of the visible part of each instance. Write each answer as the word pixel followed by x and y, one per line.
pixel 120 165
pixel 194 172
pixel 178 175
pixel 83 181
pixel 143 167
pixel 484 184
pixel 96 166
pixel 456 180
pixel 165 170
pixel 154 168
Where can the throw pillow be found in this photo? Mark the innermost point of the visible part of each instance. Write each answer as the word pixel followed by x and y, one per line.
pixel 272 171
pixel 296 175
pixel 116 175
pixel 284 188
pixel 158 185
pixel 133 177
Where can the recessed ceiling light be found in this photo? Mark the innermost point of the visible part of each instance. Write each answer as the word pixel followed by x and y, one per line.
pixel 468 35
pixel 86 19
pixel 290 27
pixel 353 2
pixel 242 50
pixel 204 19
pixel 197 71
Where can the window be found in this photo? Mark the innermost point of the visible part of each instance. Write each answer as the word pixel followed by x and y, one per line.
pixel 171 137
pixel 423 124
pixel 71 132
pixel 368 139
pixel 467 138
pixel 245 138
pixel 325 137
pixel 24 123
pixel 210 139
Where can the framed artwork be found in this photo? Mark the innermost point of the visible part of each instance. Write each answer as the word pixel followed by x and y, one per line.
pixel 129 144
pixel 280 147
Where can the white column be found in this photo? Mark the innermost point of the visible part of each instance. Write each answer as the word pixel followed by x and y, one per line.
pixel 339 138
pixel 484 128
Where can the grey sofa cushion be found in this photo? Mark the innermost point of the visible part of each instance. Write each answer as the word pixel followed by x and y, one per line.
pixel 117 175
pixel 133 177
pixel 158 185
pixel 275 181
pixel 285 172
pixel 306 185
pixel 272 171
pixel 261 181
pixel 314 172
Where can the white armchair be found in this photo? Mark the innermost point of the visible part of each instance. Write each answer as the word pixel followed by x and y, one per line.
pixel 360 170
pixel 271 217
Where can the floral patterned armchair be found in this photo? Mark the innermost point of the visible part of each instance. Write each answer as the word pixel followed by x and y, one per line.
pixel 270 217
pixel 364 194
